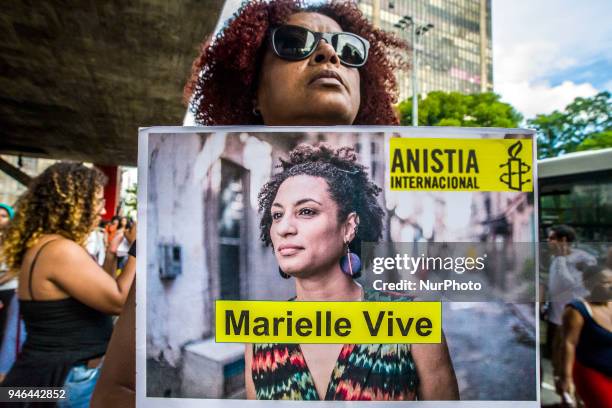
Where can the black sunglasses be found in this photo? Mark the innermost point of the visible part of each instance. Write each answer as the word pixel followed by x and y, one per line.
pixel 296 43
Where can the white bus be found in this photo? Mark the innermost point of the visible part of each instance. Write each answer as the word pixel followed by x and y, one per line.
pixel 576 189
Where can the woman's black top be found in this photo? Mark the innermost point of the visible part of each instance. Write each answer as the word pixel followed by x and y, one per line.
pixel 594 347
pixel 60 334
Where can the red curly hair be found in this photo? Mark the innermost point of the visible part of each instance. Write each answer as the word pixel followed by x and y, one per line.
pixel 224 76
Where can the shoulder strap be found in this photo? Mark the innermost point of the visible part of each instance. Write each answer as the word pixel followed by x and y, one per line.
pixel 587 307
pixel 580 307
pixel 32 266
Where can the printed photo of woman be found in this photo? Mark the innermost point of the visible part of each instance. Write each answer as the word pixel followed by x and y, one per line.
pixel 315 214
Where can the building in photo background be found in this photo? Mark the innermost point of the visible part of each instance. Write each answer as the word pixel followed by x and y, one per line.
pixel 203 237
pixel 455 55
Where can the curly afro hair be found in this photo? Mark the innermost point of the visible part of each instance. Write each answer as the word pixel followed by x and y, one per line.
pixel 224 76
pixel 349 186
pixel 61 200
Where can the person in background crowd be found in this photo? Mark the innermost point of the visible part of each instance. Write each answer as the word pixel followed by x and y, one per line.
pixel 111 228
pixel 102 227
pixel 564 284
pixel 122 244
pixel 119 244
pixel 12 331
pixel 6 215
pixel 97 244
pixel 66 299
pixel 8 283
pixel 13 339
pixel 587 342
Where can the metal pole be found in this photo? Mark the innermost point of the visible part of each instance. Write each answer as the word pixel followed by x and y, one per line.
pixel 484 76
pixel 376 13
pixel 415 89
pixel 14 172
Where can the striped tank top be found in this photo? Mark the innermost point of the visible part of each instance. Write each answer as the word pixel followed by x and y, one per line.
pixel 369 372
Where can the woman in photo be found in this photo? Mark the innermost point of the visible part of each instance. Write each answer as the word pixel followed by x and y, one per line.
pixel 315 214
pixel 66 299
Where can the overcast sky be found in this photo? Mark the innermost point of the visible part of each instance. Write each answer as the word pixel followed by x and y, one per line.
pixel 547 52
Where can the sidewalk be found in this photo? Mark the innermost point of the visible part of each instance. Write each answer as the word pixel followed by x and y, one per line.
pixel 548 396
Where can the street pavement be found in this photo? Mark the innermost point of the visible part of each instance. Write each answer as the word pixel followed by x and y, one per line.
pixel 493 349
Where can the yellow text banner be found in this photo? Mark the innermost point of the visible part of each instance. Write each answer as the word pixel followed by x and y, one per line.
pixel 460 164
pixel 328 322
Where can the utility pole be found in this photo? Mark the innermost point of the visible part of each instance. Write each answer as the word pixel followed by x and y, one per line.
pixel 416 31
pixel 484 77
pixel 415 83
pixel 376 13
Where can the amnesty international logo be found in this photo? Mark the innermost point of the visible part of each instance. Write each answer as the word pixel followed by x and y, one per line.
pixel 456 164
pixel 517 171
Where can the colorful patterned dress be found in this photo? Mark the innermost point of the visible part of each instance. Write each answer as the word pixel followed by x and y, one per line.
pixel 362 372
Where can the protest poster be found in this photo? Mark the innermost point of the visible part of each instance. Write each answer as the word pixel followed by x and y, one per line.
pixel 453 264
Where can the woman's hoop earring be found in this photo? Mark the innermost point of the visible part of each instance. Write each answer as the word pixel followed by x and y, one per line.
pixel 256 112
pixel 283 274
pixel 350 263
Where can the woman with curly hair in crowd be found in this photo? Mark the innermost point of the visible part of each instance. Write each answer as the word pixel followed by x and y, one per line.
pixel 65 297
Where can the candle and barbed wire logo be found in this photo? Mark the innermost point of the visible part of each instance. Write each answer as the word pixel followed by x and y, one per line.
pixel 516 169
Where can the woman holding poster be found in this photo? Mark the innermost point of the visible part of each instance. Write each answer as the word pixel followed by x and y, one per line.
pixel 280 63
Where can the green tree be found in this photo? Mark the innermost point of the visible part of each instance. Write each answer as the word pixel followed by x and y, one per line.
pixel 596 141
pixel 457 109
pixel 585 124
pixel 131 200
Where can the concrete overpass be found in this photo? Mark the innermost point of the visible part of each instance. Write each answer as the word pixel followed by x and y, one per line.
pixel 77 79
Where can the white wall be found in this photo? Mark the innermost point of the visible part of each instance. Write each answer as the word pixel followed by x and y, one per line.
pixel 176 312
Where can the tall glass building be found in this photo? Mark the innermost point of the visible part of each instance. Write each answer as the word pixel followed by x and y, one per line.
pixel 455 55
